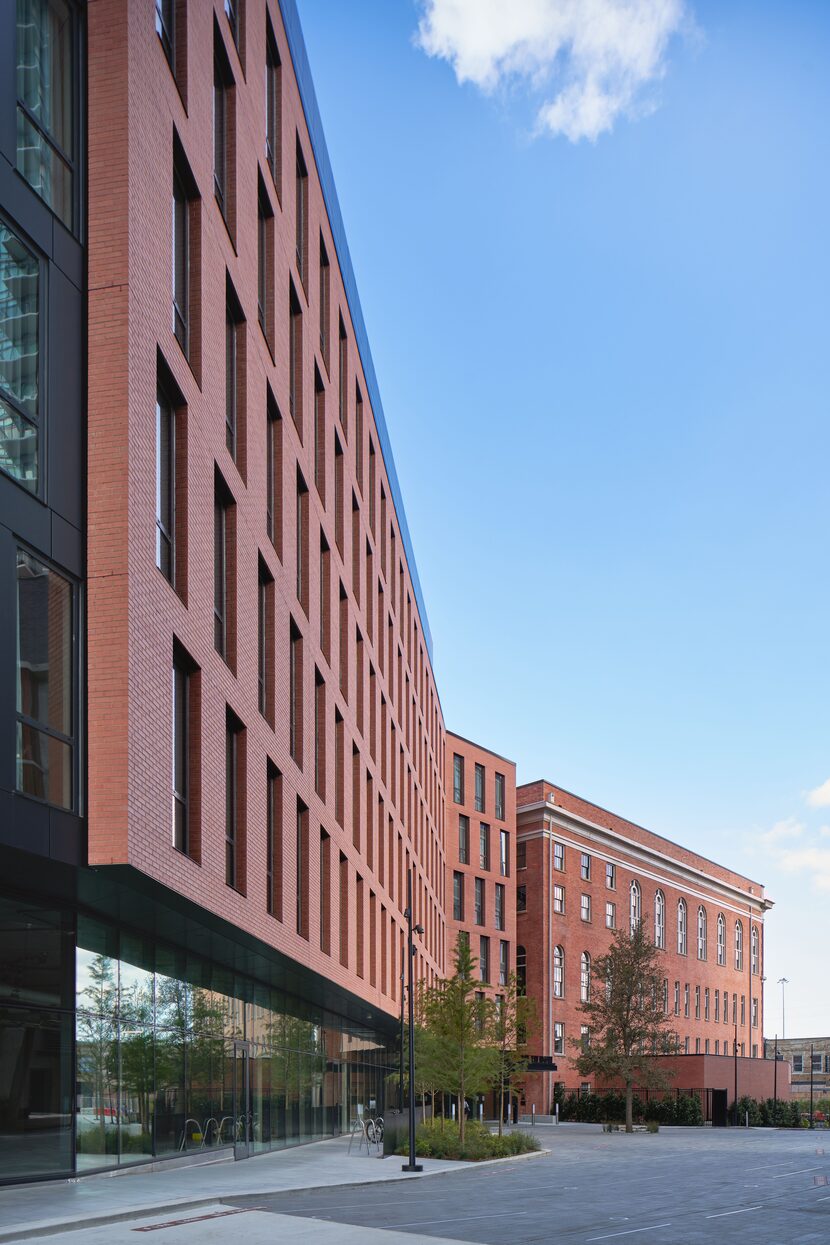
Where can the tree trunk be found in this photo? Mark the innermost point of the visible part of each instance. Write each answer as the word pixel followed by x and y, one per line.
pixel 461 1117
pixel 501 1105
pixel 629 1107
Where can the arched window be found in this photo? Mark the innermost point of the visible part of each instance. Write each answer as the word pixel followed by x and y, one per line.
pixel 701 933
pixel 739 946
pixel 558 973
pixel 521 970
pixel 585 977
pixel 635 910
pixel 721 939
pixel 755 949
pixel 681 928
pixel 660 920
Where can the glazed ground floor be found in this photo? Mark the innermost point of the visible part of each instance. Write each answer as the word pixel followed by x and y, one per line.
pixel 120 1044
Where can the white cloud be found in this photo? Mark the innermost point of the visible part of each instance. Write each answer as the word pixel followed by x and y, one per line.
pixel 599 54
pixel 824 831
pixel 813 860
pixel 789 828
pixel 819 797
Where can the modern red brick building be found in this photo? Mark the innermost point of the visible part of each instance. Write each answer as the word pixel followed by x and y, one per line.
pixel 480 858
pixel 222 749
pixel 583 872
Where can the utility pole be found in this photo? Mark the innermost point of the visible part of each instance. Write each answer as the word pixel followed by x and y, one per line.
pixel 736 1075
pixel 811 1084
pixel 403 997
pixel 775 1086
pixel 411 1166
pixel 783 981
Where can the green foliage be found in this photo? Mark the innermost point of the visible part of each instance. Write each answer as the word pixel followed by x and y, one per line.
pixel 768 1114
pixel 652 1126
pixel 682 1109
pixel 511 1024
pixel 443 1140
pixel 625 1015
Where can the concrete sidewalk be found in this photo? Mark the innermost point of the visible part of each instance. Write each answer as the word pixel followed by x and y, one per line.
pixel 90 1201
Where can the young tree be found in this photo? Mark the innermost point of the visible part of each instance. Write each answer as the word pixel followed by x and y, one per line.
pixel 457 1022
pixel 512 1021
pixel 625 1016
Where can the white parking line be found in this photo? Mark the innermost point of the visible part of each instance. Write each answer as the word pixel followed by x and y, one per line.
pixel 651 1227
pixel 800 1172
pixel 418 1223
pixel 743 1211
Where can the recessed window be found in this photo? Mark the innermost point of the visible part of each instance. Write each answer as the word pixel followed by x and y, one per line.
pixel 701 933
pixel 611 876
pixel 559 1038
pixel 458 896
pixel 165 485
pixel 234 799
pixel 660 920
pixel 47 110
pixel 295 676
pixel 458 779
pixel 479 797
pixel 273 844
pixel 186 260
pixel 521 898
pixel 610 916
pixel 521 855
pixel 342 373
pixel 222 563
pixel 504 853
pixel 739 947
pixel 46 676
pixel 265 264
pixel 484 958
pixel 500 797
pixel 558 856
pixel 585 867
pixel 273 107
pixel 499 909
pixel 558 973
pixel 585 907
pixel 721 939
pixel 301 214
pixel 186 753
pixel 19 360
pixel 484 846
pixel 634 906
pixel 265 642
pixel 479 901
pixel 463 839
pixel 273 474
pixel 585 977
pixel 325 302
pixel 682 933
pixel 234 378
pixel 295 361
pixel 559 900
pixel 504 961
pixel 223 110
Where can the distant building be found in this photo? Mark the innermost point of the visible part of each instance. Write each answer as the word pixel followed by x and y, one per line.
pixel 798 1053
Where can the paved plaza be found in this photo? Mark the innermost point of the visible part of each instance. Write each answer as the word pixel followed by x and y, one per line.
pixel 679 1187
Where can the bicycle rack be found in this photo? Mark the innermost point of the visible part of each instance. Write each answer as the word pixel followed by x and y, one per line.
pixel 190 1120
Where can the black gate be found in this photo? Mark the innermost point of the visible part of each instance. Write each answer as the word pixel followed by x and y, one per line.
pixel 718 1108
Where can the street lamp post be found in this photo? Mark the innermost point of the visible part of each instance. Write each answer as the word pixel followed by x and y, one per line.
pixel 783 981
pixel 403 997
pixel 736 1075
pixel 775 1086
pixel 411 1166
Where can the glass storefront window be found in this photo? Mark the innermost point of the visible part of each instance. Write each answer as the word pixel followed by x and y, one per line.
pixel 35 1092
pixel 36 948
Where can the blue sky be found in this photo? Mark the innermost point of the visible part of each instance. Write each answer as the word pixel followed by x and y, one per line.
pixel 604 366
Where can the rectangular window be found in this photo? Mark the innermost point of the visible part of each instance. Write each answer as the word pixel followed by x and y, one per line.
pixel 303 879
pixel 686 1000
pixel 234 799
pixel 743 1010
pixel 319 436
pixel 234 377
pixel 677 998
pixel 483 846
pixel 325 302
pixel 798 1063
pixel 479 774
pixel 222 579
pixel 301 542
pixel 181 753
pixel 463 839
pixel 265 642
pixel 521 899
pixel 484 958
pixel 295 694
pixel 610 916
pixel 235 13
pixel 521 855
pixel 273 107
pixel 222 125
pixel 585 907
pixel 585 867
pixel 166 29
pixel 265 264
pixel 319 735
pixel 500 797
pixel 181 263
pixel 458 779
pixel 500 906
pixel 186 231
pixel 611 876
pixel 559 899
pixel 558 856
pixel 46 674
pixel 358 436
pixel 372 495
pixel 325 892
pixel 479 901
pixel 273 474
pixel 273 845
pixel 301 212
pixel 295 361
pixel 47 107
pixel 755 1013
pixel 458 896
pixel 165 486
pixel 717 1007
pixel 325 597
pixel 697 1002
pixel 504 853
pixel 558 1038
pixel 20 362
pixel 504 961
pixel 706 1000
pixel 342 374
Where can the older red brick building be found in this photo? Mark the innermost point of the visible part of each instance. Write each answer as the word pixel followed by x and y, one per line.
pixel 583 872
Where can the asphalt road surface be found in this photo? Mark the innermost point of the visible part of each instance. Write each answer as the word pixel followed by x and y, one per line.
pixel 678 1187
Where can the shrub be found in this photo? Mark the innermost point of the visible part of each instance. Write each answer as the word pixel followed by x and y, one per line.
pixel 652 1126
pixel 436 1141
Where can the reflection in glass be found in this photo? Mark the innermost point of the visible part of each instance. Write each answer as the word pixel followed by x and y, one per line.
pixel 45 53
pixel 35 1092
pixel 96 1053
pixel 44 682
pixel 36 947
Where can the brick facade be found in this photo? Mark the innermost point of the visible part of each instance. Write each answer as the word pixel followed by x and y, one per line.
pixel 476 862
pixel 368 710
pixel 566 917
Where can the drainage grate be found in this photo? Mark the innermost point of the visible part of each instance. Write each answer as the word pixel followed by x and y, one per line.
pixel 215 1214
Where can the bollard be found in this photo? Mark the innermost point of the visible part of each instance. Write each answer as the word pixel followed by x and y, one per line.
pixel 481 1113
pixel 453 1112
pixel 556 1113
pixel 747 1119
pixel 533 1115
